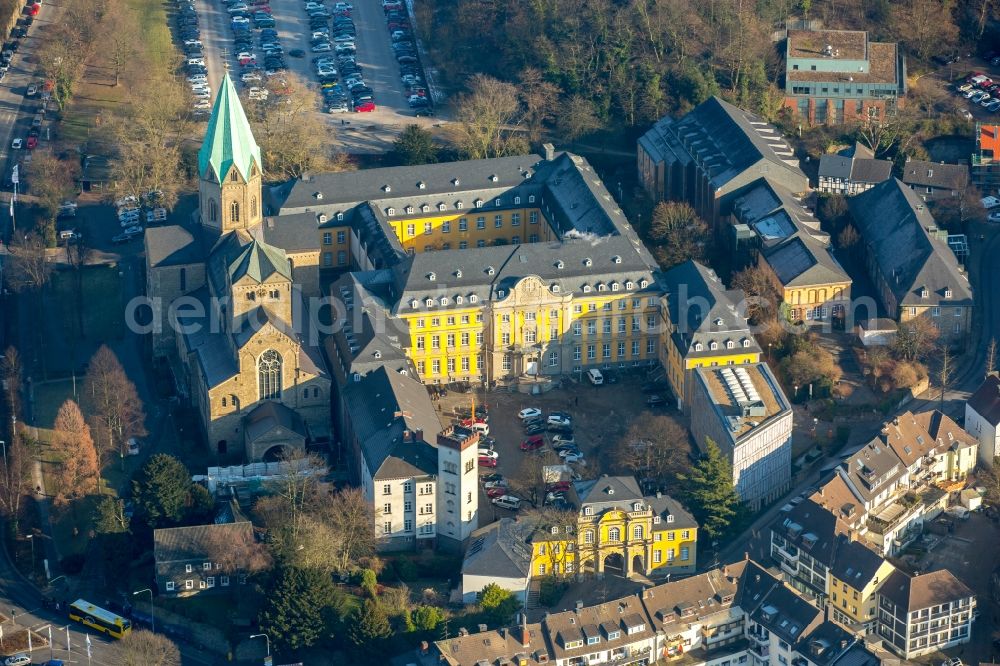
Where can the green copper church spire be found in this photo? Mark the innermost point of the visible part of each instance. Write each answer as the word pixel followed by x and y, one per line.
pixel 228 140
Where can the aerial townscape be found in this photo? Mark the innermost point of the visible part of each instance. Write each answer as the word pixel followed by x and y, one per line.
pixel 457 333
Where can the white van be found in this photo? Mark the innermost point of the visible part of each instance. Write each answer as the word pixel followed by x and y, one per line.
pixel 507 502
pixel 595 376
pixel 482 428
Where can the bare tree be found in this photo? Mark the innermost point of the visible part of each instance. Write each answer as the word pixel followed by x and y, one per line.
pixel 945 373
pixel 762 293
pixel 540 99
pixel 293 138
pixel 113 404
pixel 29 268
pixel 352 520
pixel 237 551
pixel 915 338
pixel 120 35
pixel 654 449
pixel 489 116
pixel 15 479
pixel 529 482
pixel 879 133
pixel 52 180
pixel 11 373
pixel 991 356
pixel 577 118
pixel 144 648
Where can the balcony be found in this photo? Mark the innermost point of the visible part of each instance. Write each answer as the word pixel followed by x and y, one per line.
pixel 762 651
pixel 789 553
pixel 759 638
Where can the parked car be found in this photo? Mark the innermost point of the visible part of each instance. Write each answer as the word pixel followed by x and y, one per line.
pixel 488 453
pixel 506 502
pixel 533 443
pixel 498 483
pixel 132 448
pixel 529 412
pixel 559 419
pixel 574 458
pixel 487 462
pixel 492 476
pixel 496 491
pixel 655 401
pixel 557 486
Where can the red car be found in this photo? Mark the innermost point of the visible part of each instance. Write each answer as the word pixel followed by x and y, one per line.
pixel 533 443
pixel 557 487
pixel 32 142
pixel 364 107
pixel 33 10
pixel 486 461
pixel 499 491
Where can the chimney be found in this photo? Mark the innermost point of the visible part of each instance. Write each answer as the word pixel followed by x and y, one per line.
pixel 550 151
pixel 418 435
pixel 843 643
pixel 579 605
pixel 482 628
pixel 522 629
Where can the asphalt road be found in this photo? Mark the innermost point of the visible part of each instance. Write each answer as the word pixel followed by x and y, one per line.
pixel 355 132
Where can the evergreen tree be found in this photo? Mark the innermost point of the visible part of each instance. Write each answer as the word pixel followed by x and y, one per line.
pixel 710 493
pixel 295 615
pixel 161 490
pixel 427 618
pixel 369 626
pixel 498 604
pixel 414 145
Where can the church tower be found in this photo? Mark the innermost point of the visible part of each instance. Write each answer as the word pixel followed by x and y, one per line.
pixel 229 167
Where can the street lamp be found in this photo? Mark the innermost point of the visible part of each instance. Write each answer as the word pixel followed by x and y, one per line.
pixel 152 617
pixel 31 538
pixel 266 638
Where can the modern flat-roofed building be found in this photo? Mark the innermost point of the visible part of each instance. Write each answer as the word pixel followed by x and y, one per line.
pixel 743 409
pixel 836 76
pixel 985 165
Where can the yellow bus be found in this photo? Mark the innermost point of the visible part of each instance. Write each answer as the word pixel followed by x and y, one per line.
pixel 97 618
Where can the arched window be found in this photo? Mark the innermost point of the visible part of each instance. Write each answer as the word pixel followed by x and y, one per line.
pixel 614 534
pixel 234 211
pixel 637 532
pixel 223 401
pixel 212 210
pixel 269 375
pixel 253 207
pixel 233 176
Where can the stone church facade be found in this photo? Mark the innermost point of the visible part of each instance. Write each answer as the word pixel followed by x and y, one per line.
pixel 234 321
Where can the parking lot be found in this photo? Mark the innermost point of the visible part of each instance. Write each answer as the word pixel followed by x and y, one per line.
pixel 600 415
pixel 355 132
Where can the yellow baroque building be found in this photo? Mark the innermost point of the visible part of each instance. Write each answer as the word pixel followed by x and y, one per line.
pixel 618 530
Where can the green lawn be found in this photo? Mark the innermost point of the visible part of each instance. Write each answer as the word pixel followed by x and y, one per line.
pixel 49 397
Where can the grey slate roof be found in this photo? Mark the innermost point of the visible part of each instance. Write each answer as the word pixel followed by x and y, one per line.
pixel 663 506
pixel 607 491
pixel 855 563
pixel 872 467
pixel 800 261
pixel 295 232
pixel 918 592
pixel 893 223
pixel 269 415
pixel 381 407
pixel 259 261
pixel 986 400
pixel 774 212
pixel 854 169
pixel 812 528
pixel 785 613
pixel 172 245
pixel 696 302
pixel 211 350
pixel 180 544
pixel 349 188
pixel 936 174
pixel 727 139
pixel 499 549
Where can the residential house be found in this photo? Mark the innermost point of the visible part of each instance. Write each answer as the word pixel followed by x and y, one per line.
pixel 711 155
pixel 193 559
pixel 915 272
pixel 838 76
pixel 618 632
pixel 985 165
pixel 500 554
pixel 523 644
pixel 804 540
pixel 702 325
pixel 743 409
pixel 936 180
pixel 857 574
pixel 852 171
pixel 952 456
pixel 926 613
pixel 982 418
pixel 781 235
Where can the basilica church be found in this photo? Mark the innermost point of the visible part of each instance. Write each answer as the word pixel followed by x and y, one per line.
pixel 230 311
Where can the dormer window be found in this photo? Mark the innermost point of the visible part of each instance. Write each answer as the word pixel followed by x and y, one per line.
pixel 458 273
pixel 670 518
pixel 656 520
pixel 414 303
pixel 444 300
pixel 616 259
pixel 586 288
pixel 340 217
pixel 496 202
pixel 459 205
pixel 947 293
pixel 441 206
pixel 390 211
pixel 386 188
pixel 560 264
pixel 473 298
pixel 588 262
pixel 459 300
pixel 698 346
pixel 479 203
pixel 408 209
pixel 637 506
pixel 494 178
pixel 615 286
pixel 718 321
pixel 555 289
pixel 602 287
pixel 318 195
pixel 425 208
pixel 456 182
pixel 489 270
pixel 630 285
pixel 432 276
pixel 555 529
pixel 422 185
pixel 429 302
pixel 746 343
pixel 713 345
pixel 924 293
pixel 730 344
pixel 378 354
pixel 501 293
pixel 643 284
pixel 531 198
pixel 588 510
pixel 517 201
